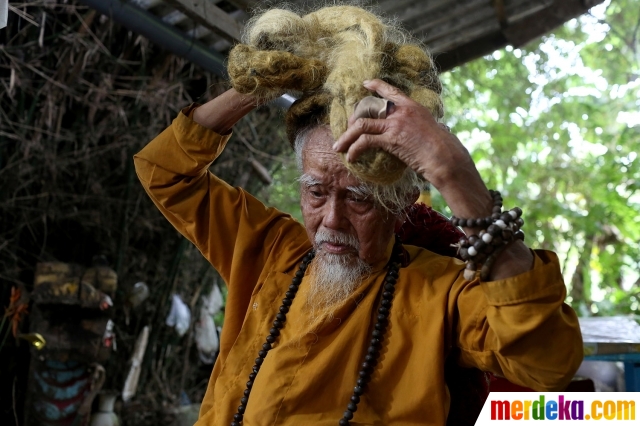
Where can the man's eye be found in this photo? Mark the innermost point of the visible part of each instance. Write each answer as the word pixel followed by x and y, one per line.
pixel 316 193
pixel 358 199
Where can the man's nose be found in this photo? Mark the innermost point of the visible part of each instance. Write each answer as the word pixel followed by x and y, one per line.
pixel 335 215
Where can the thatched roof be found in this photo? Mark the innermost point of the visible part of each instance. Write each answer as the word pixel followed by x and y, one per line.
pixel 457 31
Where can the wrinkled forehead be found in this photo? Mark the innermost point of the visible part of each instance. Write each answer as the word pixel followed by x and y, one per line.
pixel 318 155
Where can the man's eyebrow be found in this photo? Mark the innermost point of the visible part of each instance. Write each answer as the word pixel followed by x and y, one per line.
pixel 308 180
pixel 360 191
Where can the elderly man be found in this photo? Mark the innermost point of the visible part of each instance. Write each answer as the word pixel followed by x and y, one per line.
pixel 367 324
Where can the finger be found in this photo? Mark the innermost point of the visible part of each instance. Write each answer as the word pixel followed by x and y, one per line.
pixel 352 119
pixel 387 91
pixel 364 143
pixel 360 127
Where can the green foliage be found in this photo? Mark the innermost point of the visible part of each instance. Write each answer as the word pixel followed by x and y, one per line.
pixel 218 318
pixel 554 125
pixel 284 193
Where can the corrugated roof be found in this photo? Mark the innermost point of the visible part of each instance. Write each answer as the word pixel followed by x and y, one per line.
pixel 456 31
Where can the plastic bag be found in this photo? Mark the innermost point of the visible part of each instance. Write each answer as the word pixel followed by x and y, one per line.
pixel 179 316
pixel 207 339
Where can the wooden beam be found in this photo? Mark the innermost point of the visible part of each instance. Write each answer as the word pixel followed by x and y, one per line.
pixel 174 17
pixel 458 26
pixel 405 10
pixel 206 13
pixel 462 38
pixel 547 19
pixel 450 55
pixel 486 16
pixel 470 51
pixel 199 32
pixel 501 12
pixel 246 5
pixel 468 10
pixel 444 15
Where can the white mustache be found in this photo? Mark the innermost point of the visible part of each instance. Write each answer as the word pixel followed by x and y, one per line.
pixel 336 237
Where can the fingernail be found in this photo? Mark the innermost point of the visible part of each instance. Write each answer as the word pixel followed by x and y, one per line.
pixel 366 82
pixel 335 146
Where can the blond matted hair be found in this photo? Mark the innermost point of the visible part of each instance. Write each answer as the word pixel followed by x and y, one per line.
pixel 323 57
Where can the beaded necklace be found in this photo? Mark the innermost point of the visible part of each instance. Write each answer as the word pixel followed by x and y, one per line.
pixel 370 360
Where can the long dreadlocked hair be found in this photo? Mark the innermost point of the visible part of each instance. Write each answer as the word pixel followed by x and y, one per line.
pixel 323 57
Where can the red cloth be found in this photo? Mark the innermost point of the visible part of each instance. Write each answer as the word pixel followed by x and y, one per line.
pixel 426 228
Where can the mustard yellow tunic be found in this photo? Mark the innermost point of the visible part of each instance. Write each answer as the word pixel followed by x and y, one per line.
pixel 519 328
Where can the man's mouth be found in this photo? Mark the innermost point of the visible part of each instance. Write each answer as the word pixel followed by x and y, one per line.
pixel 336 248
pixel 336 242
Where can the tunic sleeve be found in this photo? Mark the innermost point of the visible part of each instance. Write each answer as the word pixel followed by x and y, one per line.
pixel 520 327
pixel 232 229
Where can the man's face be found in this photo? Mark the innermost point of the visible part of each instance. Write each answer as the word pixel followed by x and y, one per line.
pixel 333 205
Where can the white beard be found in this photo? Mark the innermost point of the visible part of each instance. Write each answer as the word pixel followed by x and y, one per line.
pixel 334 277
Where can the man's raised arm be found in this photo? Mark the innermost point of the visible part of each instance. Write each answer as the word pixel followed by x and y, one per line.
pixel 225 223
pixel 223 112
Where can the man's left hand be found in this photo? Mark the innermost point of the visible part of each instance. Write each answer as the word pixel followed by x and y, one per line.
pixel 411 133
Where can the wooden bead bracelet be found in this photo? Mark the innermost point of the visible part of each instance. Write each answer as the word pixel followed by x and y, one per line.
pixel 480 251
